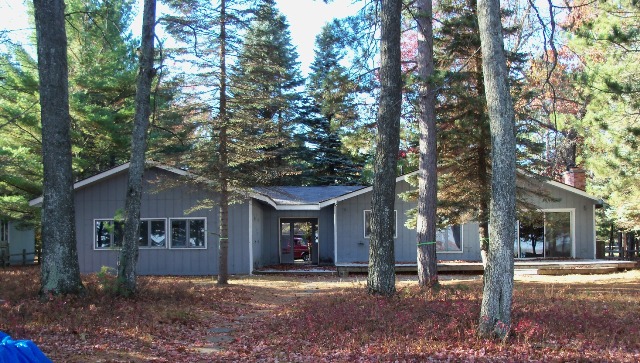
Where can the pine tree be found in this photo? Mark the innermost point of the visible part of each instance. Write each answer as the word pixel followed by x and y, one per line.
pixel 495 310
pixel 127 283
pixel 464 136
pixel 428 176
pixel 606 39
pixel 381 277
pixel 20 136
pixel 60 272
pixel 264 98
pixel 332 112
pixel 102 73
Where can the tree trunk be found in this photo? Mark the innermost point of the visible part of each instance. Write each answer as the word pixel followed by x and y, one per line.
pixel 60 271
pixel 129 252
pixel 223 252
pixel 381 279
pixel 428 178
pixel 495 311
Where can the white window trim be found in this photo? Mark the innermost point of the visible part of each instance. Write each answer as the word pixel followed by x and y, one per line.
pixel 166 230
pixel 364 224
pixel 206 240
pixel 461 242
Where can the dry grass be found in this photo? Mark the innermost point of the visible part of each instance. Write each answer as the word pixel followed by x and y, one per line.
pixel 314 319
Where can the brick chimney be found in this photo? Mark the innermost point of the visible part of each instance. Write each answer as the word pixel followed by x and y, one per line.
pixel 575 177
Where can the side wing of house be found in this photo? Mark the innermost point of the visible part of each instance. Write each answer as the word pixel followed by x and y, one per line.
pixel 352 232
pixel 566 222
pixel 173 241
pixel 561 225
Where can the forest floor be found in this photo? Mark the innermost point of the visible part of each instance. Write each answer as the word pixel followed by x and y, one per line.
pixel 323 319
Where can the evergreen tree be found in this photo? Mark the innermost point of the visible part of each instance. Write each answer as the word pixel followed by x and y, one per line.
pixel 264 99
pixel 495 310
pixel 20 136
pixel 327 164
pixel 127 283
pixel 606 39
pixel 464 135
pixel 102 73
pixel 381 277
pixel 333 114
pixel 60 272
pixel 428 175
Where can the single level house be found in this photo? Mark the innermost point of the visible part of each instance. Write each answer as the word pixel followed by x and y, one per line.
pixel 276 225
pixel 17 243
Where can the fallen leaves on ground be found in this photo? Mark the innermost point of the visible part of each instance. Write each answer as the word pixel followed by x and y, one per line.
pixel 315 319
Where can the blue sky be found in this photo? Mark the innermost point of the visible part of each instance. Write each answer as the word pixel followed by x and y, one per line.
pixel 306 18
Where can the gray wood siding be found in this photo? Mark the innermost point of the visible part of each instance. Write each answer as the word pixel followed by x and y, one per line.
pixel 162 198
pixel 354 247
pixel 239 238
pixel 257 225
pixel 326 236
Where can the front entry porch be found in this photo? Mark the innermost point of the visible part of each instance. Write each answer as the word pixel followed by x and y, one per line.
pixel 557 267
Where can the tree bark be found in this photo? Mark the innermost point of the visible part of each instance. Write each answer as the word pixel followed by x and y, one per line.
pixel 223 154
pixel 495 311
pixel 428 178
pixel 381 278
pixel 60 271
pixel 129 252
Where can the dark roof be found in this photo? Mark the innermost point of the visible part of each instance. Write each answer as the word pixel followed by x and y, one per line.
pixel 305 195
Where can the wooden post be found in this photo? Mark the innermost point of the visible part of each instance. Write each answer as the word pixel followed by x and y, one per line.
pixel 620 250
pixel 24 257
pixel 611 242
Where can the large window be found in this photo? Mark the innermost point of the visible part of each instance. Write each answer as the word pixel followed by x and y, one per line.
pixel 188 233
pixel 110 233
pixel 449 239
pixel 545 234
pixel 367 224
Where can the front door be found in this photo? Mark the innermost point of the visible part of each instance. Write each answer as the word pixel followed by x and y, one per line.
pixel 298 239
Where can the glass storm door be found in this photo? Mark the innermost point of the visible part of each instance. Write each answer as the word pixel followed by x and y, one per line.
pixel 286 245
pixel 557 234
pixel 298 239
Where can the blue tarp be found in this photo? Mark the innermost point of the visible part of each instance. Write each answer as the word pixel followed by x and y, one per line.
pixel 20 351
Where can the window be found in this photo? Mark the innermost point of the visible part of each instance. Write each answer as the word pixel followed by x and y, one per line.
pixel 367 224
pixel 449 239
pixel 110 233
pixel 4 231
pixel 152 233
pixel 188 233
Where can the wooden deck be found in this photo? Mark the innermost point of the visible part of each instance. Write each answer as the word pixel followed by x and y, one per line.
pixel 542 267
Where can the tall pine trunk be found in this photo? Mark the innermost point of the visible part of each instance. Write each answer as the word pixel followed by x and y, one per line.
pixel 495 311
pixel 381 278
pixel 428 178
pixel 223 154
pixel 129 252
pixel 60 270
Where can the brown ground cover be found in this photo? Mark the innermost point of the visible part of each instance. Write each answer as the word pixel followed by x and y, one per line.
pixel 316 319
